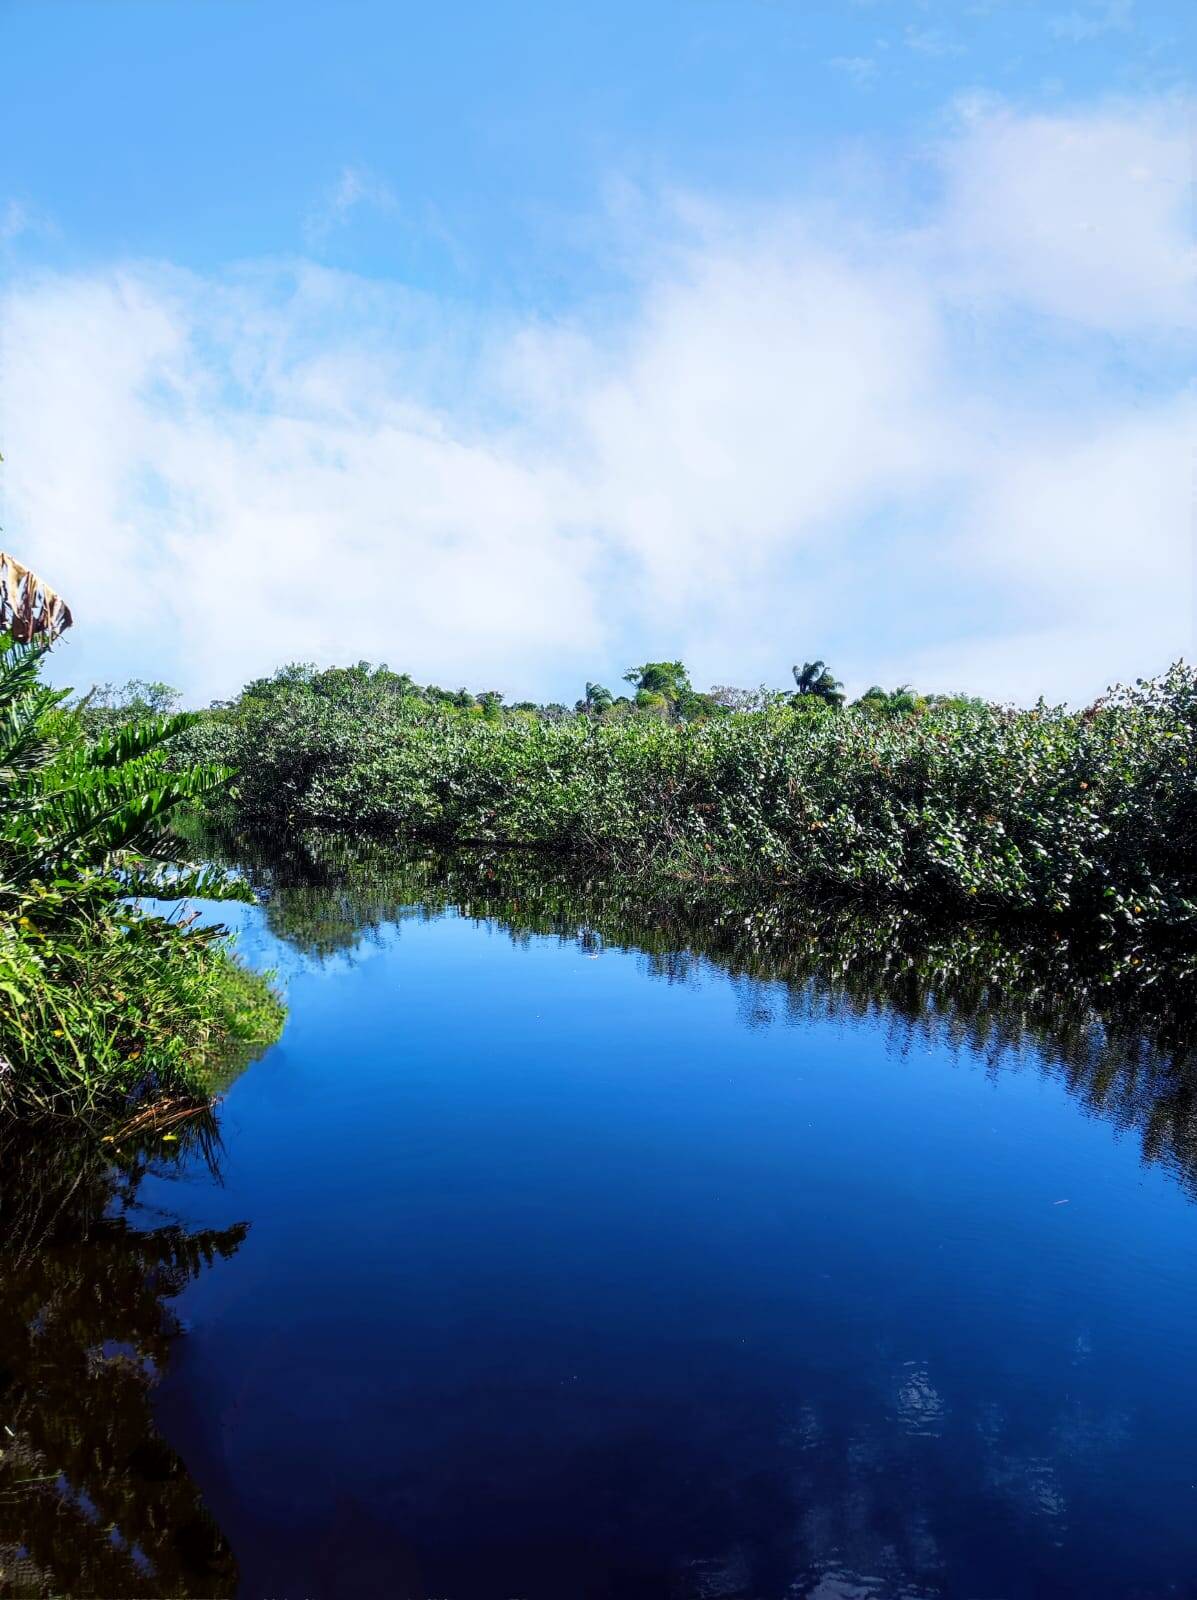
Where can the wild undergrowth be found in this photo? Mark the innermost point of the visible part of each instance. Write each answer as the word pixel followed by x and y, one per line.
pixel 103 1003
pixel 1083 818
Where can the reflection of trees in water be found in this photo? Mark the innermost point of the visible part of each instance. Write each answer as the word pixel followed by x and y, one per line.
pixel 92 1499
pixel 1125 1046
pixel 843 1494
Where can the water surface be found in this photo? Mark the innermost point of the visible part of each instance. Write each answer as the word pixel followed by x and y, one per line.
pixel 572 1246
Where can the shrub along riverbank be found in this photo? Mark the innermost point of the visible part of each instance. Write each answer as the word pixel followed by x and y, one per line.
pixel 102 1004
pixel 1086 819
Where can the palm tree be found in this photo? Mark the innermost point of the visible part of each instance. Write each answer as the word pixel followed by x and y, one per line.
pixel 899 702
pixel 595 701
pixel 814 680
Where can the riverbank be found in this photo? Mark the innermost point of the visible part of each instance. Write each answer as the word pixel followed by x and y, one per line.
pixel 103 1013
pixel 105 1005
pixel 1086 820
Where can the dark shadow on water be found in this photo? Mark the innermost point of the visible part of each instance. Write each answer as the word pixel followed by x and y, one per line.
pixel 93 1501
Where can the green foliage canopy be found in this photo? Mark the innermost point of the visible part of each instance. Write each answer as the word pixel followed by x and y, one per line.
pixel 1083 818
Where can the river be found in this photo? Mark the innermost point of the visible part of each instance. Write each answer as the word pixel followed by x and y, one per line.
pixel 576 1243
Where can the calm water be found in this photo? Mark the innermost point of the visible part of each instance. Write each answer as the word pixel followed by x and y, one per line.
pixel 623 1258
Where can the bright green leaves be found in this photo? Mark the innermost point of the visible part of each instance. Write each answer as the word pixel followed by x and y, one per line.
pixel 1090 816
pixel 98 1001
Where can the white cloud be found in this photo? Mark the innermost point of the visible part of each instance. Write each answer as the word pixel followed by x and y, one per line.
pixel 353 189
pixel 1085 535
pixel 1086 217
pixel 14 220
pixel 734 425
pixel 194 469
pixel 862 70
pixel 19 220
pixel 1113 16
pixel 932 42
pixel 785 441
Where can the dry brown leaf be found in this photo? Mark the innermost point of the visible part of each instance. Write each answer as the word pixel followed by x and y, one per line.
pixel 28 606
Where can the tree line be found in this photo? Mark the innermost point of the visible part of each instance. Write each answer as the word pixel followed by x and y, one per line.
pixel 660 689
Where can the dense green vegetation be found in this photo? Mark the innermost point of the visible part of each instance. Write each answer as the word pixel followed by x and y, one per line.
pixel 1082 818
pixel 102 1003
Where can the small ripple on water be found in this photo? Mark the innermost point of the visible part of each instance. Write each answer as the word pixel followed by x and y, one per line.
pixel 721 1578
pixel 841 1584
pixel 918 1406
pixel 1031 1483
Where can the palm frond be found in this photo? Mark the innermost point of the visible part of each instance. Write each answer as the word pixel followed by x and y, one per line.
pixel 159 882
pixel 135 739
pixel 103 813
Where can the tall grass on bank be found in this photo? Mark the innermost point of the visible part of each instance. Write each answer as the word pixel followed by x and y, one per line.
pixel 100 1002
pixel 1084 818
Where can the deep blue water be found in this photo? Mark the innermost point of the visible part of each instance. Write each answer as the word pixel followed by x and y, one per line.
pixel 564 1279
pixel 572 1272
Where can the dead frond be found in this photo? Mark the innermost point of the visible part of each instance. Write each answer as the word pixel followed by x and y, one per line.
pixel 28 606
pixel 165 1113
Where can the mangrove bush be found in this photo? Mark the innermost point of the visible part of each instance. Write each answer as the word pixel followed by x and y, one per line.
pixel 1080 817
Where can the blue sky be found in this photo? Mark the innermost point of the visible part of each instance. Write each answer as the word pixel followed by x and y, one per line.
pixel 512 344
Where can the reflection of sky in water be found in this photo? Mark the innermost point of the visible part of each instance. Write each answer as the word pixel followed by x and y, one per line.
pixel 625 1272
pixel 264 950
